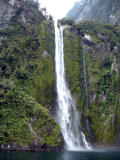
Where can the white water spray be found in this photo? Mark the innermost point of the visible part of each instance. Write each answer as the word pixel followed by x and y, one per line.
pixel 67 114
pixel 12 2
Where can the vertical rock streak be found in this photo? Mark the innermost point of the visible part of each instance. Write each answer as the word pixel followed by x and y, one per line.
pixel 85 78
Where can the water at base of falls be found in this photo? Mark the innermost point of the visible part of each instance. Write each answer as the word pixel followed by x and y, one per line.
pixel 67 114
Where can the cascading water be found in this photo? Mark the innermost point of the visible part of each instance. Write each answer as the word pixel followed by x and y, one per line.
pixel 67 114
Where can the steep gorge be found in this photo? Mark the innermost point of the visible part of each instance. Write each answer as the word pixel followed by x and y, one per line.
pixel 27 78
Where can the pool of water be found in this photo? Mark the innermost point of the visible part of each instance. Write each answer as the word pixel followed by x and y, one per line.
pixel 61 155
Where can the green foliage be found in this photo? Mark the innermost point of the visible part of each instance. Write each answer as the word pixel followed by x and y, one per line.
pixel 95 28
pixel 15 110
pixel 27 84
pixel 46 127
pixel 102 76
pixel 44 78
pixel 65 21
pixel 74 65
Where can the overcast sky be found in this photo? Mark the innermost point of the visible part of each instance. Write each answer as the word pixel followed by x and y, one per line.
pixel 58 8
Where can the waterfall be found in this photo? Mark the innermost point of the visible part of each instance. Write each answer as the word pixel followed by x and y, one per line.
pixel 86 88
pixel 67 114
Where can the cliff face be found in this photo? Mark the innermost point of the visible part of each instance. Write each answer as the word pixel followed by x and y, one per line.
pixel 27 79
pixel 98 103
pixel 105 11
pixel 6 13
pixel 9 9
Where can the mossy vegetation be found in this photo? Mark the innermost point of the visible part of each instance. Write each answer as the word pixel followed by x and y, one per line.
pixel 101 56
pixel 72 59
pixel 27 84
pixel 27 80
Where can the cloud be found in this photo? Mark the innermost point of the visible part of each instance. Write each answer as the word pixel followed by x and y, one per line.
pixel 57 8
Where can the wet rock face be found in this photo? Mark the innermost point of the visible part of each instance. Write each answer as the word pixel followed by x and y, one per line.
pixel 88 42
pixel 102 73
pixel 8 9
pixel 45 54
pixel 21 9
pixel 6 13
pixel 102 49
